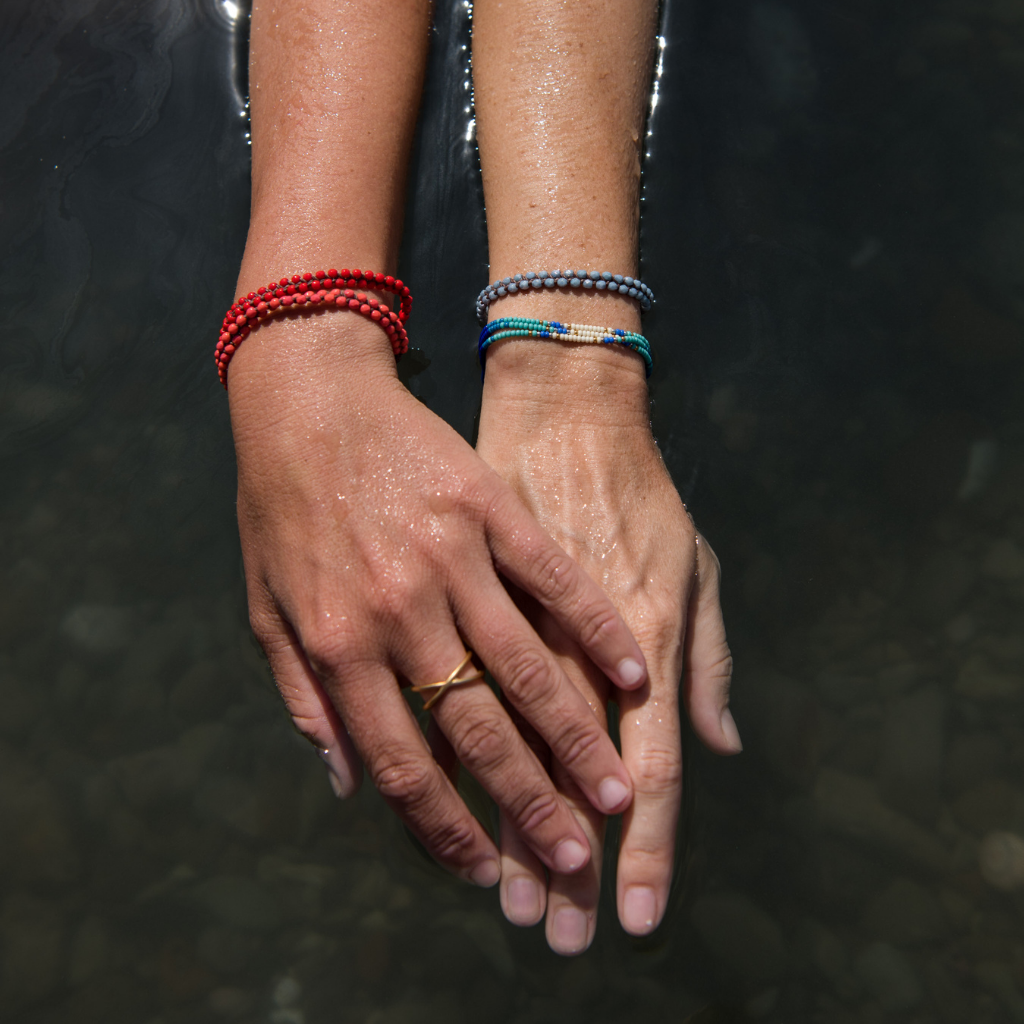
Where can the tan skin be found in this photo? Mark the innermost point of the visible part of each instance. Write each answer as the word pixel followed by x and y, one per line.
pixel 378 545
pixel 376 541
pixel 568 425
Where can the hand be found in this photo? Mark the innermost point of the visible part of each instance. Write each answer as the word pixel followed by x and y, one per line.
pixel 373 536
pixel 567 427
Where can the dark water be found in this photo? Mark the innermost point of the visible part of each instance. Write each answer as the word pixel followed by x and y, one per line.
pixel 834 226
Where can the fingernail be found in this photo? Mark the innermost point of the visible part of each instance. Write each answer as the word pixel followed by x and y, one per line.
pixel 569 930
pixel 731 733
pixel 613 794
pixel 337 771
pixel 486 873
pixel 523 898
pixel 339 789
pixel 639 908
pixel 631 672
pixel 569 856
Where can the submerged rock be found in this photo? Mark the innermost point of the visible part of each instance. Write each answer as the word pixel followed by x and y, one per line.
pixel 994 805
pixel 889 976
pixel 742 937
pixel 31 947
pixel 905 913
pixel 910 760
pixel 98 628
pixel 239 902
pixel 850 806
pixel 1001 860
pixel 90 951
pixel 979 680
pixel 168 771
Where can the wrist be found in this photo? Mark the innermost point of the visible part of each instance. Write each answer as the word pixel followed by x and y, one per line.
pixel 534 384
pixel 301 356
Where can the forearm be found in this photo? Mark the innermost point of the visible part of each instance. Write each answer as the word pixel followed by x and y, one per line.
pixel 561 98
pixel 335 89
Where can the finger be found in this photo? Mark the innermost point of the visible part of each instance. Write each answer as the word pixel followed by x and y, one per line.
pixel 410 780
pixel 707 661
pixel 527 556
pixel 572 899
pixel 311 708
pixel 489 747
pixel 530 677
pixel 652 750
pixel 524 884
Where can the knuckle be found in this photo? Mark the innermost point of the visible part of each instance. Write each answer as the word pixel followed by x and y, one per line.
pixel 648 858
pixel 263 628
pixel 394 598
pixel 556 576
pixel 477 498
pixel 657 771
pixel 408 782
pixel 482 742
pixel 598 622
pixel 326 649
pixel 534 812
pixel 451 841
pixel 527 680
pixel 577 741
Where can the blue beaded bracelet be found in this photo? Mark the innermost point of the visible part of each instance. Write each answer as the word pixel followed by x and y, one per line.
pixel 554 330
pixel 587 279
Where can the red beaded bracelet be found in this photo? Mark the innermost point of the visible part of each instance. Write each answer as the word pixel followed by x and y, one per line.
pixel 327 288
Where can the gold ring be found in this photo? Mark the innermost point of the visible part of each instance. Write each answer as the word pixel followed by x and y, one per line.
pixel 455 679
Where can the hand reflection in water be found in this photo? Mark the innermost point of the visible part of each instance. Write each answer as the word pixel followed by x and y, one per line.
pixel 374 537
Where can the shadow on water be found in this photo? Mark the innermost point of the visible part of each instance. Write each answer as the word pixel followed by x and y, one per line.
pixel 834 228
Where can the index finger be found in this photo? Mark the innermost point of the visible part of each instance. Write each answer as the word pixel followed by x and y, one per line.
pixel 526 555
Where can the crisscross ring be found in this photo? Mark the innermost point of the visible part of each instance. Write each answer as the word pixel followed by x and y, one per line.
pixel 455 679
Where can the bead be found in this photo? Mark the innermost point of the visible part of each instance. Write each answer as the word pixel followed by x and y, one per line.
pixel 586 279
pixel 314 288
pixel 555 330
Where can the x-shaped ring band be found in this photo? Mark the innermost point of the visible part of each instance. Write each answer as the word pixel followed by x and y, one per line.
pixel 455 679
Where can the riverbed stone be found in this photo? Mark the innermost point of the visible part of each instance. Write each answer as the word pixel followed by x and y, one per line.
pixel 36 844
pixel 850 806
pixel 910 756
pixel 169 771
pixel 979 679
pixel 1001 860
pixel 99 628
pixel 239 902
pixel 742 937
pixel 32 942
pixel 89 952
pixel 990 806
pixel 905 914
pixel 890 977
pixel 971 759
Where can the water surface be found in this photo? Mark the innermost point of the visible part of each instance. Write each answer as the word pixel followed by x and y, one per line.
pixel 834 228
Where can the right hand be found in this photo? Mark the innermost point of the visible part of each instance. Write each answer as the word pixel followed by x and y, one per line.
pixel 373 536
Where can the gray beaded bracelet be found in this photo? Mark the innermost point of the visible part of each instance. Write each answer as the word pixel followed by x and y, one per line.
pixel 587 279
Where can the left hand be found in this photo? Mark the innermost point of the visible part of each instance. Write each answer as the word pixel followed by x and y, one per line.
pixel 568 427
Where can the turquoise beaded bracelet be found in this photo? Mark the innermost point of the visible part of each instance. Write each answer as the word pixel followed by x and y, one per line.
pixel 586 279
pixel 554 330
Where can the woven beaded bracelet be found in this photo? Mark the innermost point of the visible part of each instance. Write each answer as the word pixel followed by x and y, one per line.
pixel 586 279
pixel 554 330
pixel 331 287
